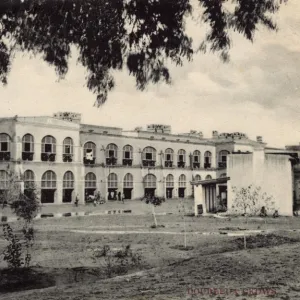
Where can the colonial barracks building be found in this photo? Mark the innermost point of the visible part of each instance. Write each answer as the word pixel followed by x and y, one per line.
pixel 65 158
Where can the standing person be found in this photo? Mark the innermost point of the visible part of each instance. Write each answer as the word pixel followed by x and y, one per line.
pixel 119 196
pixel 123 197
pixel 98 197
pixel 76 200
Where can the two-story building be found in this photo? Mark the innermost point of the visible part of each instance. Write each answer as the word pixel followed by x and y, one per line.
pixel 64 157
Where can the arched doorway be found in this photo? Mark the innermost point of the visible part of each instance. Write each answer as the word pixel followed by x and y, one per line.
pixel 112 182
pixel 181 186
pixel 48 187
pixel 90 185
pixel 4 186
pixel 169 186
pixel 150 185
pixel 128 186
pixel 29 183
pixel 68 187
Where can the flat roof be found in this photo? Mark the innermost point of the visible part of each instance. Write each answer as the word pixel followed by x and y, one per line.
pixel 211 181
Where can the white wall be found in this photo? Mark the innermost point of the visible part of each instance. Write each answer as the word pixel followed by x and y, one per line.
pixel 273 173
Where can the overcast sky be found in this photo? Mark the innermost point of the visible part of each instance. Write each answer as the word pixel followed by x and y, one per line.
pixel 257 92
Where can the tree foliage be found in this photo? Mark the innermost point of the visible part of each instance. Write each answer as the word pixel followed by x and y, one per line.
pixel 139 34
pixel 25 206
pixel 249 200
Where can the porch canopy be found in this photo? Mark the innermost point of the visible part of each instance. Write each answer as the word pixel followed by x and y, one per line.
pixel 206 193
pixel 210 181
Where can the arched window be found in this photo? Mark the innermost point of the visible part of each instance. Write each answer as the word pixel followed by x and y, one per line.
pixel 28 143
pixel 48 148
pixel 5 146
pixel 208 177
pixel 112 181
pixel 149 156
pixel 111 151
pixel 196 159
pixel 170 181
pixel 197 177
pixel 90 181
pixel 49 180
pixel 222 159
pixel 181 158
pixel 223 175
pixel 111 154
pixel 207 160
pixel 68 187
pixel 89 150
pixel 150 181
pixel 128 181
pixel 127 152
pixel 29 180
pixel 68 181
pixel 127 155
pixel 182 181
pixel 48 187
pixel 3 180
pixel 169 157
pixel 68 149
pixel 48 144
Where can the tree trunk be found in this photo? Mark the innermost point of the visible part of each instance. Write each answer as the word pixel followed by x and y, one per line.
pixel 184 232
pixel 154 216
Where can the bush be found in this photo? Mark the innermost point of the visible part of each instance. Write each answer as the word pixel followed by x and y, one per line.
pixel 120 262
pixel 25 207
pixel 13 252
pixel 265 240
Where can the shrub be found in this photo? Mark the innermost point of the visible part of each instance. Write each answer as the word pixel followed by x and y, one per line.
pixel 120 262
pixel 25 207
pixel 13 252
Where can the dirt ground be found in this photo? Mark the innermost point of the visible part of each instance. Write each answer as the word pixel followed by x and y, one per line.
pixel 215 267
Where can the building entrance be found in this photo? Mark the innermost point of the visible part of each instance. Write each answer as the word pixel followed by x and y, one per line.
pixel 127 193
pixel 149 192
pixel 169 193
pixel 181 192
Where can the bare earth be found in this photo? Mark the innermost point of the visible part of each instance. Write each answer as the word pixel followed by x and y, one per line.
pixel 215 268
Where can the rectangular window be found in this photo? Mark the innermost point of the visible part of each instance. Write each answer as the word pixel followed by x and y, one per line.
pixel 67 149
pixel 207 160
pixel 48 148
pixel 127 154
pixel 27 147
pixel 149 156
pixel 224 158
pixel 168 157
pixel 4 146
pixel 111 153
pixel 196 158
pixel 180 157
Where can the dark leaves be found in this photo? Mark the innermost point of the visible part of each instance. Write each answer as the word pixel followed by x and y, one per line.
pixel 141 34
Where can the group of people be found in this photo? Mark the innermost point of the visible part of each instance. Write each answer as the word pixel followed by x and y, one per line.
pixel 121 197
pixel 116 195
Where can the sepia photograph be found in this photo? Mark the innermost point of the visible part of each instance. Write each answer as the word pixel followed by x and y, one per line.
pixel 149 149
